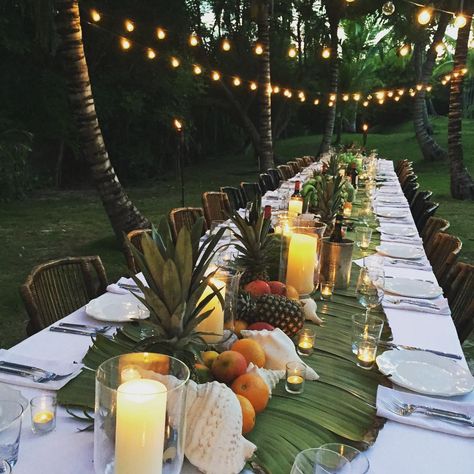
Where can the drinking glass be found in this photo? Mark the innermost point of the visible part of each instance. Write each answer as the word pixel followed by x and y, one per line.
pixel 364 326
pixel 366 351
pixel 357 460
pixel 10 430
pixel 369 289
pixel 5 467
pixel 320 461
pixel 363 236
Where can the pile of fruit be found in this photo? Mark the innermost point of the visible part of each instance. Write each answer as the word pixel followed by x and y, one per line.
pixel 270 303
pixel 230 367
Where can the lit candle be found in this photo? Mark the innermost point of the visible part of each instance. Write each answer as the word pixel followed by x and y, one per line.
pixel 326 290
pixel 215 321
pixel 306 339
pixel 366 352
pixel 347 209
pixel 43 413
pixel 295 207
pixel 140 429
pixel 301 263
pixel 295 383
pixel 43 421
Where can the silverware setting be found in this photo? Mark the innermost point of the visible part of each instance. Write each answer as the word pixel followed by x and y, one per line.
pixel 407 410
pixel 99 329
pixel 413 348
pixel 126 286
pixel 412 408
pixel 421 304
pixel 414 279
pixel 31 372
pixel 406 262
pixel 80 332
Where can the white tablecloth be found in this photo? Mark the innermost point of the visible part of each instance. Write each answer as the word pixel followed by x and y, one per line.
pixel 399 449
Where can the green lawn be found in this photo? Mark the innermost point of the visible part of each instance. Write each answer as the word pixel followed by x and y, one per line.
pixel 57 224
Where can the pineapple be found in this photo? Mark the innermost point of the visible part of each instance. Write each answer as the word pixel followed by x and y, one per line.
pixel 176 279
pixel 255 244
pixel 245 307
pixel 280 312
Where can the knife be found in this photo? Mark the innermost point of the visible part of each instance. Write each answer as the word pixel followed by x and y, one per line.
pixel 413 348
pixel 73 331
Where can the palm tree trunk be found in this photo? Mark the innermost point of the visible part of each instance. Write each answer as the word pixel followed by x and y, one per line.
pixel 264 89
pixel 334 12
pixel 123 215
pixel 462 185
pixel 430 149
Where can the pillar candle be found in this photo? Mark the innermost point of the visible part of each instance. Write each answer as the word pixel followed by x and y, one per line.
pixel 295 207
pixel 140 429
pixel 215 321
pixel 301 262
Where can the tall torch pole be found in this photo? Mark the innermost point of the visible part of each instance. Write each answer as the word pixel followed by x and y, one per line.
pixel 179 128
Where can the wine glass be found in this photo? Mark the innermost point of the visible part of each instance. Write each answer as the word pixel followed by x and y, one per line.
pixel 369 288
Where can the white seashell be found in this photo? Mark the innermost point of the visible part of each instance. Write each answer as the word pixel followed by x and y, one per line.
pixel 214 441
pixel 309 310
pixel 270 377
pixel 279 350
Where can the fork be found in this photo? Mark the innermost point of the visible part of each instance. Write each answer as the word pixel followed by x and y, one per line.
pixel 100 329
pixel 47 377
pixel 412 408
pixel 421 304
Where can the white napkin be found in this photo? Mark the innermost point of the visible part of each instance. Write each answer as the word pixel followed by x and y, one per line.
pixel 56 366
pixel 271 194
pixel 401 239
pixel 385 395
pixel 114 288
pixel 400 263
pixel 279 350
pixel 440 302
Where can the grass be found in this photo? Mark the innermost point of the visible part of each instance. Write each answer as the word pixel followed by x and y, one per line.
pixel 56 224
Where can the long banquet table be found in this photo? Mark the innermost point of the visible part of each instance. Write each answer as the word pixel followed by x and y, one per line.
pixel 399 448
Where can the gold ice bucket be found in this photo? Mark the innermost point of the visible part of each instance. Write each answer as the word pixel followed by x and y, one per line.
pixel 336 262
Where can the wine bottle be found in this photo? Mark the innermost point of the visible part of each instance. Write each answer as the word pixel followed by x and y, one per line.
pixel 354 176
pixel 267 215
pixel 336 235
pixel 295 205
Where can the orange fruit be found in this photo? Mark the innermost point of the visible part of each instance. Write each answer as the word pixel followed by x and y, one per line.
pixel 251 350
pixel 292 293
pixel 248 414
pixel 252 387
pixel 239 325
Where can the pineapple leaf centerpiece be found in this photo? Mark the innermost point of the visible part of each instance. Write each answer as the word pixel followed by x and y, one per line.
pixel 176 275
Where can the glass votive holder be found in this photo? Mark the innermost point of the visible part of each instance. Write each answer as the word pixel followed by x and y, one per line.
pixel 364 326
pixel 295 375
pixel 363 236
pixel 366 352
pixel 306 338
pixel 326 289
pixel 347 209
pixel 43 414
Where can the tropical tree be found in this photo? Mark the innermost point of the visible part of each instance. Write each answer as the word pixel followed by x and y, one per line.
pixel 123 215
pixel 462 184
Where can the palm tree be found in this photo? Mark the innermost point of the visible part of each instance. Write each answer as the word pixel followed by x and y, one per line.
pixel 462 185
pixel 430 149
pixel 123 215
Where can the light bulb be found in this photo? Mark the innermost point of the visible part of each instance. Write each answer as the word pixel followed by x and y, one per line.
pixel 332 97
pixel 330 103
pixel 129 26
pixel 292 52
pixel 460 21
pixel 390 94
pixel 356 96
pixel 365 103
pixel 236 81
pixel 381 101
pixel 412 92
pixel 193 40
pixel 177 124
pixel 456 74
pixel 258 49
pixel 380 95
pixel 447 78
pixel 440 48
pixel 464 71
pixel 316 102
pixel 197 69
pixel 95 15
pixel 419 87
pixel 287 93
pixel 326 53
pixel 345 97
pixel 424 16
pixel 215 75
pixel 401 91
pixel 350 1
pixel 226 45
pixel 365 127
pixel 175 62
pixel 404 50
pixel 444 82
pixel 253 86
pixel 300 94
pixel 160 33
pixel 150 53
pixel 396 98
pixel 125 43
pixel 276 90
pixel 428 88
pixel 302 98
pixel 388 8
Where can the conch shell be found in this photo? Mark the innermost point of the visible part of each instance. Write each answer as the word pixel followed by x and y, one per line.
pixel 270 377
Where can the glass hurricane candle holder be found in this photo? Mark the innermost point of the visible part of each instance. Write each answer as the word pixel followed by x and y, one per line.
pixel 139 420
pixel 295 375
pixel 306 338
pixel 43 413
pixel 363 236
pixel 364 326
pixel 366 352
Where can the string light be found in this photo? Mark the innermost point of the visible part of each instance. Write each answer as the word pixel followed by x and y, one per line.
pixel 419 87
pixel 460 21
pixel 276 90
pixel 226 45
pixel 401 92
pixel 380 95
pixel 464 71
pixel 396 98
pixel 193 40
pixel 388 8
pixel 424 16
pixel 150 53
pixel 331 103
pixel 444 82
pixel 356 96
pixel 253 86
pixel 287 93
pixel 412 92
pixel 292 52
pixel 160 33
pixel 175 62
pixel 381 101
pixel 365 103
pixel 302 98
pixel 332 97
pixel 197 69
pixel 215 75
pixel 95 16
pixel 300 94
pixel 345 97
pixel 178 124
pixel 390 94
pixel 258 49
pixel 428 88
pixel 440 48
pixel 125 43
pixel 129 26
pixel 326 53
pixel 365 127
pixel 404 50
pixel 316 102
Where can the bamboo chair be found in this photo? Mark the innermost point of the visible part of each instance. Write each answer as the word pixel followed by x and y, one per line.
pixel 400 165
pixel 442 254
pixel 461 302
pixel 301 163
pixel 135 238
pixel 294 166
pixel 250 191
pixel 410 190
pixel 236 199
pixel 286 172
pixel 433 225
pixel 405 175
pixel 308 160
pixel 410 181
pixel 180 217
pixel 417 205
pixel 266 182
pixel 404 168
pixel 429 210
pixel 216 207
pixel 59 287
pixel 275 175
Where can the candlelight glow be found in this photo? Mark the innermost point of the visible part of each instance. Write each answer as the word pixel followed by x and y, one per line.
pixel 125 43
pixel 150 53
pixel 178 124
pixel 404 50
pixel 197 69
pixel 292 52
pixel 226 45
pixel 460 21
pixel 175 62
pixel 160 33
pixel 236 81
pixel 253 86
pixel 424 16
pixel 193 40
pixel 95 15
pixel 258 49
pixel 215 75
pixel 129 26
pixel 326 53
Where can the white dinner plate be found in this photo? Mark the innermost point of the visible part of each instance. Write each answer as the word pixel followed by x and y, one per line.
pixel 389 190
pixel 412 288
pixel 400 251
pixel 398 230
pixel 426 373
pixel 392 213
pixel 115 308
